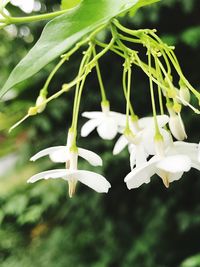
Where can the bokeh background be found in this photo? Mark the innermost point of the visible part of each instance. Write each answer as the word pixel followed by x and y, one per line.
pixel 39 224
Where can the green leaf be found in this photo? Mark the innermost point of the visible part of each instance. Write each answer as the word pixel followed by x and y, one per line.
pixel 141 3
pixel 63 32
pixel 66 4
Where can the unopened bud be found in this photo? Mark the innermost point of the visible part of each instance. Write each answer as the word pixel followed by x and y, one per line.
pixel 176 125
pixel 184 94
pixel 40 103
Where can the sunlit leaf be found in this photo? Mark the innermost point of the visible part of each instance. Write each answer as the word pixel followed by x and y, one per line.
pixel 66 4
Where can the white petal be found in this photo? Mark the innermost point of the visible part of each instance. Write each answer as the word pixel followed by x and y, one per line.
pixel 141 156
pixel 148 139
pixel 177 127
pixel 174 164
pixel 141 175
pixel 90 156
pixel 188 149
pixel 107 129
pixel 93 180
pixel 61 155
pixel 54 174
pixel 149 121
pixel 93 114
pixel 46 152
pixel 132 156
pixel 89 126
pixel 119 117
pixel 121 143
pixel 175 176
pixel 196 165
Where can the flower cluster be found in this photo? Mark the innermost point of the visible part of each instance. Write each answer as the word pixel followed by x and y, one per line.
pixel 156 144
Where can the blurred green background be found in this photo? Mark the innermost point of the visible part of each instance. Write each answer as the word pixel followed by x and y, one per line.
pixel 39 224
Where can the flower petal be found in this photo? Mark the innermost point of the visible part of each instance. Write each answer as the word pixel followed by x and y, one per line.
pixel 196 165
pixel 174 164
pixel 175 176
pixel 141 175
pixel 119 117
pixel 108 128
pixel 141 156
pixel 177 127
pixel 46 152
pixel 60 155
pixel 54 174
pixel 89 126
pixel 121 143
pixel 148 122
pixel 185 148
pixel 148 135
pixel 93 180
pixel 132 150
pixel 90 156
pixel 92 114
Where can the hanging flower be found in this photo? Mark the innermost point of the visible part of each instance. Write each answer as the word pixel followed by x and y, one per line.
pixel 71 173
pixel 107 122
pixel 179 158
pixel 143 144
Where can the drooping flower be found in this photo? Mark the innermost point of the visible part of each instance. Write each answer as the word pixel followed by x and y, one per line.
pixel 143 144
pixel 107 122
pixel 179 158
pixel 71 174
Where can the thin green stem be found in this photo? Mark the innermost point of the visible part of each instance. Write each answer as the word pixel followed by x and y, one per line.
pixel 128 96
pixel 79 90
pixel 47 16
pixel 157 131
pixel 102 89
pixel 113 49
pixel 159 89
pixel 53 72
pixel 92 63
pixel 80 72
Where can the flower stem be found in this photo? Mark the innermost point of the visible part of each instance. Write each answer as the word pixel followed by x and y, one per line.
pixel 103 93
pixel 157 131
pixel 47 16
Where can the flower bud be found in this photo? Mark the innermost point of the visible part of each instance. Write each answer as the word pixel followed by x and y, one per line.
pixel 40 103
pixel 184 94
pixel 176 125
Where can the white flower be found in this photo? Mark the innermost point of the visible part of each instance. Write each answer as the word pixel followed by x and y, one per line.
pixel 189 149
pixel 143 144
pixel 93 180
pixel 107 123
pixel 179 158
pixel 71 173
